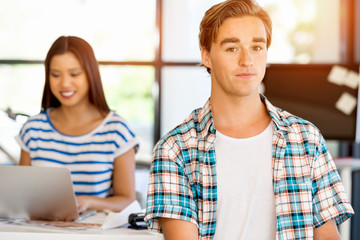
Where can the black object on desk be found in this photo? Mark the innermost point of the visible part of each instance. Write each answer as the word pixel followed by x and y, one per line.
pixel 136 221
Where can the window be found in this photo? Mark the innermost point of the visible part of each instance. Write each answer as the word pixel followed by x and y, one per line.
pixel 117 30
pixel 149 54
pixel 301 33
pixel 122 35
pixel 300 29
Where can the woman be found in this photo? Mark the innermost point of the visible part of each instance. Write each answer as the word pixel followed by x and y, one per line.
pixel 77 130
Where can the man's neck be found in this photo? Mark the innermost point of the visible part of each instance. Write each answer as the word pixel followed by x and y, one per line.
pixel 239 117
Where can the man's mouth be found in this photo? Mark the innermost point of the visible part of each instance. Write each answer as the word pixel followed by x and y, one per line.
pixel 245 75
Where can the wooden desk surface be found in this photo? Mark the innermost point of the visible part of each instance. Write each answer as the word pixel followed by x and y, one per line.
pixel 14 230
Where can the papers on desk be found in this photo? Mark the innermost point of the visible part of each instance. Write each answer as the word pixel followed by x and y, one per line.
pixel 99 220
pixel 49 224
pixel 114 220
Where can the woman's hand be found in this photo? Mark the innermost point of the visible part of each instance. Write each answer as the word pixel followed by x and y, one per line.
pixel 83 203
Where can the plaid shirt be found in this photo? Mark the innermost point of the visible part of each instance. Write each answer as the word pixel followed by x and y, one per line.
pixel 307 187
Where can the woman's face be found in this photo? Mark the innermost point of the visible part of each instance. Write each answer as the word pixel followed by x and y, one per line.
pixel 68 80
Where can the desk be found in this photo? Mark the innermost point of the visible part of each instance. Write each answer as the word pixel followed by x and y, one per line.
pixel 346 166
pixel 25 233
pixel 30 232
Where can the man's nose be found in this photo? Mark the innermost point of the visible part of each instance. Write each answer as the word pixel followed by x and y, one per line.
pixel 245 58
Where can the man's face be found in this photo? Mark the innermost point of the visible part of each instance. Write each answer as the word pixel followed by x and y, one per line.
pixel 237 57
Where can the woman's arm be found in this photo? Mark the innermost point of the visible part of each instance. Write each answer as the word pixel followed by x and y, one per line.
pixel 25 159
pixel 123 186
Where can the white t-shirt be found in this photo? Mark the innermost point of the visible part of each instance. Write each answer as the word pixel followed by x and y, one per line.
pixel 246 202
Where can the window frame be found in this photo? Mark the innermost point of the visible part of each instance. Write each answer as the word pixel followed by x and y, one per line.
pixel 347 53
pixel 348 57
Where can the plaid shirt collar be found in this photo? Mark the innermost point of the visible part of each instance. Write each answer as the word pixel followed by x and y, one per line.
pixel 208 131
pixel 340 209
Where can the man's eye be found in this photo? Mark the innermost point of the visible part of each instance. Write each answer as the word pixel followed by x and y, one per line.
pixel 231 50
pixel 257 48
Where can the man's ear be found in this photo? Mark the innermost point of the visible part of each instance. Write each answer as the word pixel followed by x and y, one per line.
pixel 205 57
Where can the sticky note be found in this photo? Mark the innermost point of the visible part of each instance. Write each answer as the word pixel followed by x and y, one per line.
pixel 346 103
pixel 352 79
pixel 337 75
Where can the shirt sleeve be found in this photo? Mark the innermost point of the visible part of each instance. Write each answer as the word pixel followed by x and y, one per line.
pixel 126 139
pixel 169 191
pixel 21 138
pixel 329 198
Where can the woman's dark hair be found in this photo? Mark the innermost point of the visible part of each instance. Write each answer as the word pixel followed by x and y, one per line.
pixel 85 54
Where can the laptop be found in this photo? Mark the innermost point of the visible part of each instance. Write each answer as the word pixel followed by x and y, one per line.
pixel 37 193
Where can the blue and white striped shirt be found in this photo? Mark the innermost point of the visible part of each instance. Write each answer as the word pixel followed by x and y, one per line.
pixel 89 157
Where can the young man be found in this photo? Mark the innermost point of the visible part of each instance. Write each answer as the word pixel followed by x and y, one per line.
pixel 239 168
